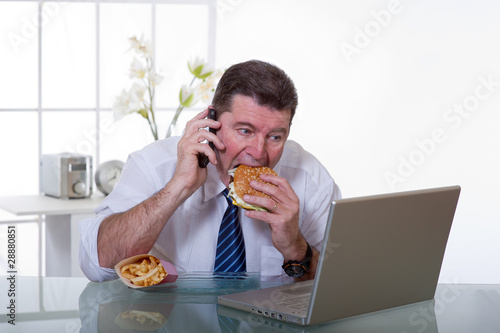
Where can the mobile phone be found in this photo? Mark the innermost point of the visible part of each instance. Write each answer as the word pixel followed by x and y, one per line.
pixel 202 158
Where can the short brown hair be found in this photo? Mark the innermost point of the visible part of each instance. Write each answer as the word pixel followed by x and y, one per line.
pixel 267 84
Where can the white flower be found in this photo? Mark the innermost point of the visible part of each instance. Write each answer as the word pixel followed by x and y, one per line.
pixel 187 96
pixel 141 46
pixel 121 105
pixel 194 63
pixel 145 79
pixel 199 68
pixel 137 69
pixel 137 92
pixel 147 49
pixel 129 102
pixel 206 88
pixel 155 78
pixel 134 43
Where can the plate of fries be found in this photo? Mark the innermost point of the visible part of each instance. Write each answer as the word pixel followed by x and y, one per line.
pixel 145 270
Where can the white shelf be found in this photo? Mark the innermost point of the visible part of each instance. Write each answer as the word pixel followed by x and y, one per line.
pixel 61 228
pixel 42 204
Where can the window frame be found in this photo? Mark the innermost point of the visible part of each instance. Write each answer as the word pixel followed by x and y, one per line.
pixel 97 109
pixel 211 53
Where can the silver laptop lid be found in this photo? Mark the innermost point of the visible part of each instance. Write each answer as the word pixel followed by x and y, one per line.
pixel 382 251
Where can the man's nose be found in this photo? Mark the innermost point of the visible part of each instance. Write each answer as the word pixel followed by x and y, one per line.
pixel 258 149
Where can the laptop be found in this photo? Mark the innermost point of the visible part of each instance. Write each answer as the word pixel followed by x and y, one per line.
pixel 379 252
pixel 416 317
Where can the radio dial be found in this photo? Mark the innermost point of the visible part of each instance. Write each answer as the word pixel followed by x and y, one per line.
pixel 79 187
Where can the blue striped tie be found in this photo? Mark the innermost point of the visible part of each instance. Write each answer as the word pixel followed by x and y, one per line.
pixel 230 254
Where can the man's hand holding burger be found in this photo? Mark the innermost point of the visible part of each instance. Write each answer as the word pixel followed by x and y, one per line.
pixel 281 213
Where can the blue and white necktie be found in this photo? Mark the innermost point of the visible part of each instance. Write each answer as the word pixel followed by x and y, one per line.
pixel 230 254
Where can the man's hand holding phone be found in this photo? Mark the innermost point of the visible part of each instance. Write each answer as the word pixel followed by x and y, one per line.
pixel 192 145
pixel 202 158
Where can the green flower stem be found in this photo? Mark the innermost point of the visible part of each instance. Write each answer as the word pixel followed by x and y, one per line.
pixel 155 133
pixel 177 113
pixel 154 127
pixel 151 92
pixel 174 120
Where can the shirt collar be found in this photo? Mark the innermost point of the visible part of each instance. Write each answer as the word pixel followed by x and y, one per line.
pixel 213 185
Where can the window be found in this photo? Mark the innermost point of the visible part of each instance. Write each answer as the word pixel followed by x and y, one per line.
pixel 67 61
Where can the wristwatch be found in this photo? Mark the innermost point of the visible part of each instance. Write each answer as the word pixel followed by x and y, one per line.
pixel 296 269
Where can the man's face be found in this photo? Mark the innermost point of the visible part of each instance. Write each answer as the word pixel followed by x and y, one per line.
pixel 253 135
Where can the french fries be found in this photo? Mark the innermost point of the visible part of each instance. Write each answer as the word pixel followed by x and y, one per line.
pixel 146 272
pixel 144 318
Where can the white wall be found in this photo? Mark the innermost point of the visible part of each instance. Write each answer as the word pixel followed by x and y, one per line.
pixel 393 95
pixel 377 81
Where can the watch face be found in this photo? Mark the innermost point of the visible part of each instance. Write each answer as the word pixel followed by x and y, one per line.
pixel 107 176
pixel 295 270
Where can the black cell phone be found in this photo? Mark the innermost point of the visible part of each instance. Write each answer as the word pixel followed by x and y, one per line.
pixel 202 158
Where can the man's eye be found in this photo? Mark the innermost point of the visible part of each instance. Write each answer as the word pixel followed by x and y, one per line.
pixel 244 131
pixel 276 138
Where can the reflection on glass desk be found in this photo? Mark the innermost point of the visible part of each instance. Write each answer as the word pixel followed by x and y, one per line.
pixel 66 304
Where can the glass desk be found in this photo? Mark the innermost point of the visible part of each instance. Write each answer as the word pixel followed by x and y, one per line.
pixel 66 304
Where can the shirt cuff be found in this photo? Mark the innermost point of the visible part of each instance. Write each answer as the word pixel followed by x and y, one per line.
pixel 89 259
pixel 271 262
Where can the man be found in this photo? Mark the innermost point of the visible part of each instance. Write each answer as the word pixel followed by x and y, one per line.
pixel 165 204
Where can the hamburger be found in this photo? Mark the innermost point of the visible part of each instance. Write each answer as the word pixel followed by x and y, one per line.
pixel 239 184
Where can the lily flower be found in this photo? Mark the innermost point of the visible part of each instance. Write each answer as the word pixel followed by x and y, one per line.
pixel 140 97
pixel 137 69
pixel 206 88
pixel 199 68
pixel 137 92
pixel 187 96
pixel 141 46
pixel 155 78
pixel 121 105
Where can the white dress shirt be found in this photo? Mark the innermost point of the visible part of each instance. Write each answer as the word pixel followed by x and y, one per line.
pixel 189 238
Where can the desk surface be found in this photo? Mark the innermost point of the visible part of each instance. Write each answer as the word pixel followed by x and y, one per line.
pixel 77 305
pixel 42 204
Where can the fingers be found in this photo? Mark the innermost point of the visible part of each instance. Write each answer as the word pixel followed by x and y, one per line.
pixel 199 122
pixel 280 190
pixel 283 210
pixel 274 207
pixel 283 198
pixel 196 135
